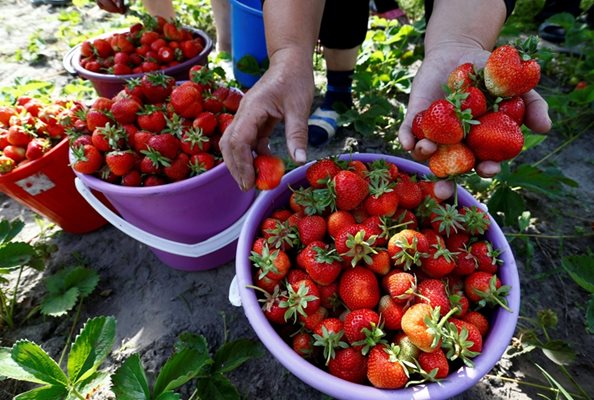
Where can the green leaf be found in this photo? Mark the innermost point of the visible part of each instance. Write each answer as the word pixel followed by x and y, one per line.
pixel 38 363
pixel 85 279
pixel 581 270
pixel 188 340
pixel 95 382
pixel 129 380
pixel 10 369
pixel 555 383
pixel 507 202
pixel 91 347
pixel 558 352
pixel 168 396
pixel 232 354
pixel 15 254
pixel 216 387
pixel 248 64
pixel 590 315
pixel 59 304
pixel 179 369
pixel 548 182
pixel 9 229
pixel 532 140
pixel 44 393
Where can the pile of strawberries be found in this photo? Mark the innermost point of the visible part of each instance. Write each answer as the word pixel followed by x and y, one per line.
pixel 369 276
pixel 32 127
pixel 480 118
pixel 155 132
pixel 153 45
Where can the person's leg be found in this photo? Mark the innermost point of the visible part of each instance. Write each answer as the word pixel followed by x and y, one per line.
pixel 343 29
pixel 222 18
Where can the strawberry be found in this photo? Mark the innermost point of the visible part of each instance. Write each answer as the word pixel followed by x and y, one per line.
pixel 384 369
pixel 348 364
pixel 354 245
pixel 462 77
pixel 193 141
pixel 151 118
pixel 156 87
pixel 321 263
pixel 16 153
pixel 380 262
pixel 88 159
pixel 303 344
pixel 510 72
pixel 120 162
pixel 179 168
pixel 409 192
pixel 37 147
pixel 224 120
pixel 435 364
pixel 206 122
pixel 329 296
pixel 19 135
pixel 186 100
pixel 7 164
pixel 384 204
pixel 269 171
pixel 311 228
pixel 440 263
pixel 420 324
pixel 201 162
pixel 479 320
pixel 320 171
pixel 303 299
pixel 358 288
pixel 475 101
pixel 514 107
pixel 401 286
pixel 165 144
pixel 339 220
pixel 433 292
pixel 350 188
pixel 484 289
pixel 407 248
pixel 441 124
pixel 496 138
pixel 474 335
pixel 132 178
pixel 360 325
pixel 446 220
pixel 124 110
pixel 486 256
pixel 390 312
pixel 417 131
pixel 191 48
pixel 466 263
pixel 274 264
pixel 328 334
pixel 310 321
pixel 450 160
pixel 231 101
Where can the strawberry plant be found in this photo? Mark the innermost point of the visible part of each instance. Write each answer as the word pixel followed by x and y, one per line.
pixel 580 269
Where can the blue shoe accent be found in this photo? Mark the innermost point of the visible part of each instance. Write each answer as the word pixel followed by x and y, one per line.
pixel 321 126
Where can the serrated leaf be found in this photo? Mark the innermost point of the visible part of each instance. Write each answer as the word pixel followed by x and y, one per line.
pixel 129 380
pixel 44 393
pixel 14 254
pixel 217 387
pixel 188 340
pixel 91 347
pixel 548 182
pixel 590 315
pixel 559 352
pixel 85 279
pixel 581 270
pixel 232 354
pixel 179 369
pixel 9 229
pixel 509 203
pixel 59 304
pixel 94 383
pixel 168 396
pixel 10 369
pixel 33 359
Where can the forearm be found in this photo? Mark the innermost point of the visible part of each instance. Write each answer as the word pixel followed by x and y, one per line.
pixel 161 8
pixel 475 23
pixel 292 28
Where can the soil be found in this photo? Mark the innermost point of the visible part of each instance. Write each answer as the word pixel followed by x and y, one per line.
pixel 154 304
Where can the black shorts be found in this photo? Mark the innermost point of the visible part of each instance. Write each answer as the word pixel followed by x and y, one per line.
pixel 344 23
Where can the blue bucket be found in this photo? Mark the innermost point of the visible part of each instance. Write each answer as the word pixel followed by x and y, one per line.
pixel 247 37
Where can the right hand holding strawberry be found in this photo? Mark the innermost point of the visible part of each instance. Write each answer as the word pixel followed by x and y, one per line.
pixel 432 121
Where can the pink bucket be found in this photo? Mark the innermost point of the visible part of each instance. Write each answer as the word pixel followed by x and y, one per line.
pixel 502 322
pixel 190 225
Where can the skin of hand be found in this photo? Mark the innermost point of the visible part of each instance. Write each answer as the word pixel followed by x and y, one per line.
pixel 452 40
pixel 284 92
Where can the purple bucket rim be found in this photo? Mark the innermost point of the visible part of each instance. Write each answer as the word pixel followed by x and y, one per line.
pixel 74 54
pixel 502 326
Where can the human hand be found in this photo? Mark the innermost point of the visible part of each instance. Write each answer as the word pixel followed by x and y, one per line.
pixel 113 6
pixel 285 92
pixel 427 87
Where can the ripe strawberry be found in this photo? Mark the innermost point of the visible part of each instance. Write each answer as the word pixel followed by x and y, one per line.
pixel 401 286
pixel 179 168
pixel 311 228
pixel 19 135
pixel 329 296
pixel 339 220
pixel 231 101
pixel 310 321
pixel 474 334
pixel 186 100
pixel 496 138
pixel 475 101
pixel 274 264
pixel 479 320
pixel 466 263
pixel 125 109
pixel 384 204
pixel 151 118
pixel 37 147
pixel 462 77
pixel 435 361
pixel 16 153
pixel 358 288
pixel 206 122
pixel 6 164
pixel 328 334
pixel 165 144
pixel 510 72
pixel 348 364
pixel 191 48
pixel 514 107
pixel 350 188
pixel 269 171
pixel 361 328
pixel 486 256
pixel 303 344
pixel 446 220
pixel 120 162
pixel 416 125
pixel 474 220
pixel 440 263
pixel 132 178
pixel 354 245
pixel 484 288
pixel 380 262
pixel 441 124
pixel 193 141
pixel 408 248
pixel 88 159
pixel 303 299
pixel 390 313
pixel 224 120
pixel 320 171
pixel 156 87
pixel 321 263
pixel 384 369
pixel 201 162
pixel 450 160
pixel 433 292
pixel 409 192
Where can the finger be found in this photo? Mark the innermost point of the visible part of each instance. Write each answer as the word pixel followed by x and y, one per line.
pixel 537 113
pixel 238 157
pixel 296 135
pixel 488 169
pixel 444 189
pixel 423 150
pixel 406 138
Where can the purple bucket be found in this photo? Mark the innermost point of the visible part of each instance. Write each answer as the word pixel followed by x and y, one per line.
pixel 502 322
pixel 200 215
pixel 107 85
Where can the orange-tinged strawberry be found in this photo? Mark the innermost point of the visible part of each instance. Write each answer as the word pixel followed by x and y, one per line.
pixel 461 77
pixel 424 327
pixel 441 124
pixel 384 369
pixel 495 138
pixel 450 160
pixel 269 171
pixel 510 72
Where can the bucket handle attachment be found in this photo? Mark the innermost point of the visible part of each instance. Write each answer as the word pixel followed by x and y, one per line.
pixel 200 249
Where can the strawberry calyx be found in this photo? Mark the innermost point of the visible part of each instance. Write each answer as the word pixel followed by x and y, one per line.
pixel 195 137
pixel 314 201
pixel 373 336
pixel 265 261
pixel 494 295
pixel 330 341
pixel 435 324
pixel 475 221
pixel 156 158
pixel 283 234
pixel 325 256
pixel 448 217
pixel 297 301
pixel 457 345
pixel 409 254
pixel 359 248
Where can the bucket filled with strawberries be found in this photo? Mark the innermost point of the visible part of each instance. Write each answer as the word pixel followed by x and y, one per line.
pixel 365 285
pixel 155 44
pixel 153 151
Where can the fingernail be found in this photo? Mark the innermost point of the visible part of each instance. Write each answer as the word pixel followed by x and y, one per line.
pixel 300 156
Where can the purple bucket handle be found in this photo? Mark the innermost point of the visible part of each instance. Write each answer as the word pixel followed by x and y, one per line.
pixel 503 323
pixel 203 248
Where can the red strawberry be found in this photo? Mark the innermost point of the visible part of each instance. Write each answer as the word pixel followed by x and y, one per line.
pixel 384 370
pixel 474 334
pixel 320 171
pixel 475 101
pixel 440 263
pixel 37 147
pixel 274 264
pixel 88 159
pixel 231 101
pixel 354 244
pixel 156 87
pixel 120 162
pixel 358 288
pixel 311 228
pixel 207 122
pixel 348 364
pixel 310 321
pixel 383 204
pixel 303 299
pixel 407 248
pixel 441 124
pixel 16 153
pixel 486 256
pixel 224 120
pixel 514 107
pixel 461 77
pixel 269 171
pixel 390 312
pixel 401 286
pixel 450 160
pixel 321 263
pixel 201 162
pixel 361 328
pixel 433 292
pixel 416 125
pixel 435 361
pixel 496 138
pixel 132 178
pixel 380 262
pixel 479 320
pixel 165 144
pixel 409 192
pixel 510 72
pixel 193 141
pixel 328 334
pixel 350 188
pixel 484 288
pixel 303 344
pixel 339 220
pixel 179 168
pixel 151 119
pixel 186 100
pixel 124 110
